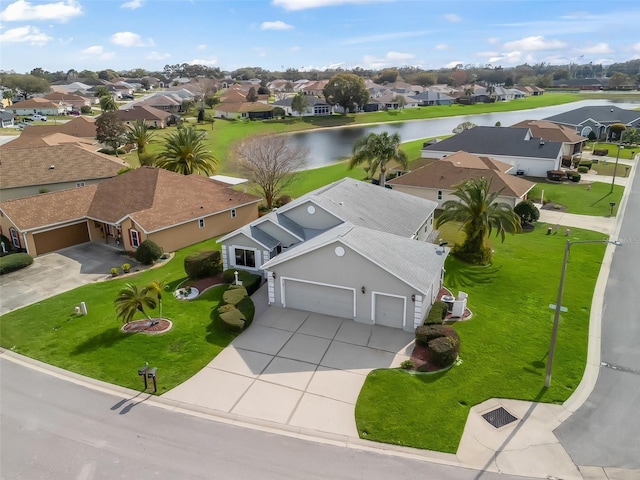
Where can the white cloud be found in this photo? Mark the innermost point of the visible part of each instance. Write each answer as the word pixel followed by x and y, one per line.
pixel 27 34
pixel 391 59
pixel 108 56
pixel 636 47
pixel 294 48
pixel 158 56
pixel 209 62
pixel 93 50
pixel 511 58
pixel 452 17
pixel 442 46
pixel 133 4
pixel 598 49
pixel 130 39
pixel 202 46
pixel 536 43
pixel 277 25
pixel 384 37
pixel 22 10
pixel 306 4
pixel 493 40
pixel 453 64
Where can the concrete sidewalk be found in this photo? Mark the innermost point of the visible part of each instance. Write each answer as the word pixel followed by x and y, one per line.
pixel 604 225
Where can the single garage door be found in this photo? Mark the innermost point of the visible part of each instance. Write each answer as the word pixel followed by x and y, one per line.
pixel 311 297
pixel 389 311
pixel 61 238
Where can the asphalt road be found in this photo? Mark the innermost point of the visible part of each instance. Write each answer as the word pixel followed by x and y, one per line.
pixel 52 429
pixel 605 431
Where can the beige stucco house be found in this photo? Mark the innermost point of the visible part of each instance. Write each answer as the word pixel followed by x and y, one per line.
pixel 350 249
pixel 38 105
pixel 147 203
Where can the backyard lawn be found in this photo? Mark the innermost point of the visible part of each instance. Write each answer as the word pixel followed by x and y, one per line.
pixel 93 345
pixel 503 347
pixel 577 198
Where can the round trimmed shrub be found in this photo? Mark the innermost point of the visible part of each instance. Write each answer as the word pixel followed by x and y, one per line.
pixel 15 261
pixel 583 169
pixel 527 211
pixel 426 333
pixel 148 252
pixel 203 264
pixel 444 351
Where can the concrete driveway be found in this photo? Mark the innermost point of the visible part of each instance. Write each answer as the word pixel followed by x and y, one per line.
pixel 58 272
pixel 296 368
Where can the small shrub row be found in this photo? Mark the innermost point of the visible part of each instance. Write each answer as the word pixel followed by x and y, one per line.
pixel 15 261
pixel 203 264
pixel 601 152
pixel 236 310
pixel 250 281
pixel 444 351
pixel 576 177
pixel 426 333
pixel 436 314
pixel 586 163
pixel 582 169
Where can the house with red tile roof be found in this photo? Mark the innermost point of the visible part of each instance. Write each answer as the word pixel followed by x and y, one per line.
pixel 170 209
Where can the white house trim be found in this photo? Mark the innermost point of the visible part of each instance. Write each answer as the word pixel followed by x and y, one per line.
pixel 282 290
pixel 417 311
pixel 271 287
pixel 257 257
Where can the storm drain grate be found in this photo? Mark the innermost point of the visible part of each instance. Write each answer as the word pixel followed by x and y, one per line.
pixel 499 417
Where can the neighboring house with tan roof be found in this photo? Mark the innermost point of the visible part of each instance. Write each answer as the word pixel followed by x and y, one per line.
pixel 75 102
pixel 38 105
pixel 30 170
pixel 170 209
pixel 166 103
pixel 248 110
pixel 152 117
pixel 437 180
pixel 81 127
pixel 572 142
pixel 43 140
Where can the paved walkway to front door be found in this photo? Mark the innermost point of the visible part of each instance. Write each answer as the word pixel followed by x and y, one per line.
pixel 296 368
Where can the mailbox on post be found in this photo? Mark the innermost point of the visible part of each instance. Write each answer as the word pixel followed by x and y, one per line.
pixel 151 373
pixel 142 371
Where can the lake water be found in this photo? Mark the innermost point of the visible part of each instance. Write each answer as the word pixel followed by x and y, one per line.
pixel 332 144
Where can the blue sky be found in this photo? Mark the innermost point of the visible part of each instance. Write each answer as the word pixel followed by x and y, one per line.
pixel 305 34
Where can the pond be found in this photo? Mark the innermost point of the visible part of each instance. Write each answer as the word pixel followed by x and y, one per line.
pixel 332 144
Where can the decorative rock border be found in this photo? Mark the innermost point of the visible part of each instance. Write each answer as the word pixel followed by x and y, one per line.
pixel 186 293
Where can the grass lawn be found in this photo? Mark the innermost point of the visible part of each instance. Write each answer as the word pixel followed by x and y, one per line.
pixel 625 152
pixel 503 347
pixel 607 169
pixel 94 346
pixel 578 199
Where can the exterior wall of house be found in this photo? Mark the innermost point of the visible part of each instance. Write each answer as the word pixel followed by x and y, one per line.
pixel 352 271
pixel 432 194
pixel 319 219
pixel 243 242
pixel 28 191
pixel 425 229
pixel 39 110
pixel 229 115
pixel 180 236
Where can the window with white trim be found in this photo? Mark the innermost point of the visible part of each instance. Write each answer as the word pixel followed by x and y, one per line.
pixel 135 238
pixel 233 213
pixel 201 223
pixel 245 258
pixel 15 238
pixel 439 194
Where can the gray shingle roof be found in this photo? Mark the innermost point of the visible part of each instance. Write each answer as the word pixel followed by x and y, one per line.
pixel 498 141
pixel 605 115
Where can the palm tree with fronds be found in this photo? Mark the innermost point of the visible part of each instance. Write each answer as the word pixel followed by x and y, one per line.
pixel 479 214
pixel 156 288
pixel 108 104
pixel 186 153
pixel 378 150
pixel 140 134
pixel 131 300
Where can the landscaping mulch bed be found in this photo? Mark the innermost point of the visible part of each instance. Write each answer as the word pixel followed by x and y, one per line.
pixel 145 326
pixel 421 358
pixel 554 206
pixel 203 283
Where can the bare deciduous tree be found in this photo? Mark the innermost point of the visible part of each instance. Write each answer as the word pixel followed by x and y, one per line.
pixel 269 162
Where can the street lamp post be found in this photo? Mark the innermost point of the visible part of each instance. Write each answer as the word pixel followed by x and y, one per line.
pixel 616 165
pixel 558 305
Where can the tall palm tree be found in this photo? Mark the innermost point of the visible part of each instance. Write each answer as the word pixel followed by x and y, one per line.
pixel 131 300
pixel 108 104
pixel 156 288
pixel 140 134
pixel 186 153
pixel 479 214
pixel 377 150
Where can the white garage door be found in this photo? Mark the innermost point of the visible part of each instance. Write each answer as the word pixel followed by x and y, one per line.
pixel 311 297
pixel 389 311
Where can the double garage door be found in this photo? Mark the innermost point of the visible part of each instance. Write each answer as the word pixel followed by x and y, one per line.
pixel 311 297
pixel 61 238
pixel 340 302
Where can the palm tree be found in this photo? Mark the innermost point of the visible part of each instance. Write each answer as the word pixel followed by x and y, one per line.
pixel 186 153
pixel 108 104
pixel 479 214
pixel 378 150
pixel 156 288
pixel 130 300
pixel 140 134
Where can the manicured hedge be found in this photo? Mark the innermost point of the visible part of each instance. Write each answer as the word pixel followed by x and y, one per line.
pixel 444 351
pixel 15 261
pixel 234 294
pixel 148 252
pixel 250 281
pixel 582 169
pixel 202 264
pixel 426 333
pixel 236 311
pixel 437 313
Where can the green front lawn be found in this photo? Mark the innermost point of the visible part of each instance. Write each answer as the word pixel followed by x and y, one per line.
pixel 94 346
pixel 578 198
pixel 503 347
pixel 607 168
pixel 625 152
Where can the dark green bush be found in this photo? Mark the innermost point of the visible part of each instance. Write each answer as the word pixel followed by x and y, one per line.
pixel 576 178
pixel 248 309
pixel 250 281
pixel 582 169
pixel 444 351
pixel 85 109
pixel 426 333
pixel 234 295
pixel 148 252
pixel 601 152
pixel 436 314
pixel 203 264
pixel 585 163
pixel 527 211
pixel 232 320
pixel 15 261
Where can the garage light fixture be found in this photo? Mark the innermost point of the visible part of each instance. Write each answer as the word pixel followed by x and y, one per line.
pixel 363 289
pixel 273 275
pixel 413 297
